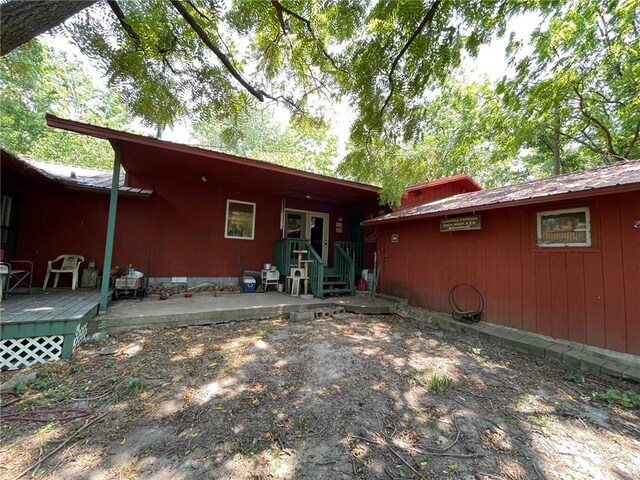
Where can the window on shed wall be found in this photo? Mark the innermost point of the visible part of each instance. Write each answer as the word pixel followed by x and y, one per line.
pixel 240 221
pixel 564 228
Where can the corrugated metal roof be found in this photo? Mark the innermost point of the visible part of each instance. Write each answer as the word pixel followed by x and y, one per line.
pixel 82 177
pixel 535 191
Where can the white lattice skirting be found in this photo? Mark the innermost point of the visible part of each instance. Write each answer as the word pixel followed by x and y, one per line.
pixel 21 352
pixel 81 336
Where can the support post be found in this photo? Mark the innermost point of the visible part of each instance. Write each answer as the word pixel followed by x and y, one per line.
pixel 111 227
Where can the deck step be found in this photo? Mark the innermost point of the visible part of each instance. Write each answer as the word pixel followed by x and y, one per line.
pixel 330 277
pixel 334 282
pixel 337 291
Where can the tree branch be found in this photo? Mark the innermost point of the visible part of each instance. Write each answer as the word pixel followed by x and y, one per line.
pixel 636 134
pixel 590 145
pixel 24 20
pixel 607 100
pixel 285 100
pixel 221 56
pixel 428 18
pixel 598 123
pixel 117 11
pixel 198 11
pixel 281 8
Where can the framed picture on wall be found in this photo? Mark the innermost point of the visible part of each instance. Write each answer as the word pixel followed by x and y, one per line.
pixel 240 220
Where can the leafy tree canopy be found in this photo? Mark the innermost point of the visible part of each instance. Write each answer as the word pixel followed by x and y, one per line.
pixel 35 80
pixel 205 57
pixel 575 96
pixel 254 134
pixel 579 91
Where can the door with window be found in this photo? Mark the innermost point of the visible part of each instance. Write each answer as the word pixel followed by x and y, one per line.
pixel 319 234
pixel 312 226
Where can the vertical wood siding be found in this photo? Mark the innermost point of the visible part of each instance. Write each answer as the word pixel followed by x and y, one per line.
pixel 182 225
pixel 588 295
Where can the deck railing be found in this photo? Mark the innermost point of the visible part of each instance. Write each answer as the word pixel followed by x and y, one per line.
pixel 344 265
pixel 355 251
pixel 316 272
pixel 284 259
pixel 283 256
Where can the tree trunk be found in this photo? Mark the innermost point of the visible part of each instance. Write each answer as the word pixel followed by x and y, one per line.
pixel 24 20
pixel 556 151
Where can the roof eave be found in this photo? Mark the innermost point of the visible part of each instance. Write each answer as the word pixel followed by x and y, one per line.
pixel 122 192
pixel 116 135
pixel 529 201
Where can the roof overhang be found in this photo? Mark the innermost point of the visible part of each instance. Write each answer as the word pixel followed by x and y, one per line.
pixel 38 175
pixel 629 187
pixel 150 158
pixel 20 166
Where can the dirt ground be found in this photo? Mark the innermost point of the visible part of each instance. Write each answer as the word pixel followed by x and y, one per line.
pixel 349 396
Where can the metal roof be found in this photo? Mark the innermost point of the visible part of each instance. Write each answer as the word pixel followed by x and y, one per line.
pixel 465 177
pixel 82 178
pixel 617 177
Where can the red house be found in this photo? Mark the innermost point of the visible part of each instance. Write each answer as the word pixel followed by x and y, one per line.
pixel 187 212
pixel 558 256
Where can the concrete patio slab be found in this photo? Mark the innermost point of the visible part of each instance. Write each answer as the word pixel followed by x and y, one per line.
pixel 209 308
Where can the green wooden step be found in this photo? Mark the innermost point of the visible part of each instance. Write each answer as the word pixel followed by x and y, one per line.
pixel 337 291
pixel 334 282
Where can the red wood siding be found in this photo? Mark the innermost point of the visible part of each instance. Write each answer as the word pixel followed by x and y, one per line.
pixel 429 194
pixel 589 295
pixel 180 225
pixel 442 188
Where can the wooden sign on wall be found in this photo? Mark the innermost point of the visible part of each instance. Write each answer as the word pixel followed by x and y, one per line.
pixel 468 222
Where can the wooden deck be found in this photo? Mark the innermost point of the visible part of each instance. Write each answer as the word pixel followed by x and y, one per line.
pixel 44 326
pixel 53 304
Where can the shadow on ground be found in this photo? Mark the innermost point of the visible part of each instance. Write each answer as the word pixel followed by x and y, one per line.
pixel 344 397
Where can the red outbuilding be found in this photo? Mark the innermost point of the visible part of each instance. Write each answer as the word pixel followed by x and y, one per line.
pixel 558 256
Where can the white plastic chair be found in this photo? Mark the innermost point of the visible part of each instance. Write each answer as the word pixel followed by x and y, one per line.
pixel 70 264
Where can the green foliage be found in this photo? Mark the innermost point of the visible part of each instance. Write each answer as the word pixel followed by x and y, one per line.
pixel 44 384
pixel 78 367
pixel 20 388
pixel 440 383
pixel 574 377
pixel 627 399
pixel 573 101
pixel 577 91
pixel 103 329
pixel 133 386
pixel 35 80
pixel 304 144
pixel 463 128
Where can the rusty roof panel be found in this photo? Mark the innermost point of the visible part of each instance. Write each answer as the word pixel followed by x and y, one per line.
pixel 535 191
